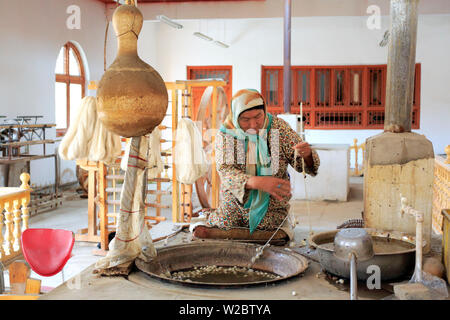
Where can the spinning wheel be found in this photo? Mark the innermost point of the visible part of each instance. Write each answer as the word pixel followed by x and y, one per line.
pixel 203 186
pixel 82 176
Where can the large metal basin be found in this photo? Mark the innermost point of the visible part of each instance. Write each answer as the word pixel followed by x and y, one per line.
pixel 395 256
pixel 280 261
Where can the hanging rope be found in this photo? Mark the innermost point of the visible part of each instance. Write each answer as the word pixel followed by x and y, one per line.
pixel 307 198
pixel 104 47
pixel 106 36
pixel 308 209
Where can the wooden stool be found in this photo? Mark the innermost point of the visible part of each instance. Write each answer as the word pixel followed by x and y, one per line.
pixel 241 234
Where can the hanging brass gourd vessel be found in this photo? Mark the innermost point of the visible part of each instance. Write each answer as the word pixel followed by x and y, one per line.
pixel 132 98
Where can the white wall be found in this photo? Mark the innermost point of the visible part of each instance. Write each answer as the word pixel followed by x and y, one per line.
pixel 273 8
pixel 315 41
pixel 32 33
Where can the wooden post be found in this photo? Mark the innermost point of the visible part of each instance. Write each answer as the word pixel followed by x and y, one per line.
pixel 25 178
pixel 175 189
pixel 363 150
pixel 189 201
pixel 103 206
pixel 90 233
pixel 2 251
pixel 186 204
pixel 189 102
pixel 8 224
pixel 92 218
pixel 158 188
pixel 17 220
pixel 187 189
pixel 181 207
pixel 214 177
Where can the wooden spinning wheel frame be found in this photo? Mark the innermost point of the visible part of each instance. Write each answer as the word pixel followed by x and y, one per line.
pixel 203 186
pixel 82 176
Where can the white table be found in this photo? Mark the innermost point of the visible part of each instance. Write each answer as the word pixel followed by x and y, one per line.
pixel 332 179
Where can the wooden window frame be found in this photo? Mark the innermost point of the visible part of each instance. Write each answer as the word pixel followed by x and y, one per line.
pixel 361 112
pixel 71 79
pixel 228 88
pixel 275 108
pixel 295 99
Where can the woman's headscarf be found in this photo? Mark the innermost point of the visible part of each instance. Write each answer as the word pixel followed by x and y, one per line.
pixel 256 149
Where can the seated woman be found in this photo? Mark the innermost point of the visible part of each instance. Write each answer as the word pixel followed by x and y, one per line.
pixel 253 150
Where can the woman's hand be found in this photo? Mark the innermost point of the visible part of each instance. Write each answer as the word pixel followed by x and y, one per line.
pixel 303 149
pixel 276 187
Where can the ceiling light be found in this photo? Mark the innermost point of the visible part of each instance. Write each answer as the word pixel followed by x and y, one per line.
pixel 221 44
pixel 170 22
pixel 202 36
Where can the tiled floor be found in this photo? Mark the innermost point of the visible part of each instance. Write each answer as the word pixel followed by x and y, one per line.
pixel 73 216
pixel 324 215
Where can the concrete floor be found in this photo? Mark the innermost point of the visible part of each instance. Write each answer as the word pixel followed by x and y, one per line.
pixel 83 284
pixel 73 216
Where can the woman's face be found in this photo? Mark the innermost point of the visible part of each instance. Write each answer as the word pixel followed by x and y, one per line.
pixel 251 121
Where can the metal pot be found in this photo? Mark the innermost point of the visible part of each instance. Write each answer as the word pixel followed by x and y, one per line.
pixel 393 264
pixel 353 244
pixel 284 263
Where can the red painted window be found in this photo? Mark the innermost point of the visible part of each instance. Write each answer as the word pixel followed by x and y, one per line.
pixel 335 97
pixel 210 72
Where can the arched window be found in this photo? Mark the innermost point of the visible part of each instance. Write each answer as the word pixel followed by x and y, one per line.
pixel 69 86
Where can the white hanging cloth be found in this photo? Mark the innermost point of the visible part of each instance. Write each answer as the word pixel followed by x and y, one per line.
pixel 155 164
pixel 189 156
pixel 87 138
